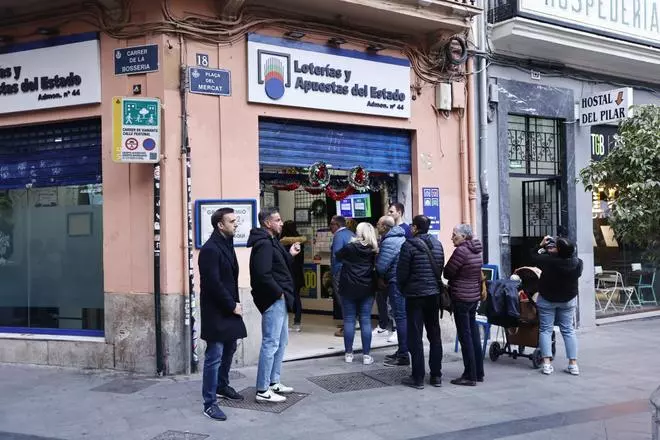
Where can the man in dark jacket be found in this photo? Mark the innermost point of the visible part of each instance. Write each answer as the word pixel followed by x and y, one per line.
pixel 463 270
pixel 419 282
pixel 273 287
pixel 222 321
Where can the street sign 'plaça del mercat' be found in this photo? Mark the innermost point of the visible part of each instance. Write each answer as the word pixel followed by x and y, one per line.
pixel 135 130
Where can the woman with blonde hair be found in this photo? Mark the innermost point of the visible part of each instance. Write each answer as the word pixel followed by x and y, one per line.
pixel 357 289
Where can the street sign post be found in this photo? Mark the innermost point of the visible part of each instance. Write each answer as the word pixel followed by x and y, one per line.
pixel 136 130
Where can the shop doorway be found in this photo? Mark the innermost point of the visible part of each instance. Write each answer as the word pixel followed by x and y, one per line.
pixel 536 190
pixel 364 169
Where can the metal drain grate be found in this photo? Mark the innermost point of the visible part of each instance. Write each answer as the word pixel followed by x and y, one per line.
pixel 389 376
pixel 341 383
pixel 235 375
pixel 124 386
pixel 179 435
pixel 249 402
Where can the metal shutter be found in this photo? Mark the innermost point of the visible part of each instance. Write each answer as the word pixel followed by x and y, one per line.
pixel 57 154
pixel 285 142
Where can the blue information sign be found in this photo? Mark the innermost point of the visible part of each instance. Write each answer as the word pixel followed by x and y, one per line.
pixel 431 202
pixel 138 59
pixel 215 82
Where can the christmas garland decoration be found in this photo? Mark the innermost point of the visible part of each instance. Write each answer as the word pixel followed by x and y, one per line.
pixel 318 208
pixel 339 196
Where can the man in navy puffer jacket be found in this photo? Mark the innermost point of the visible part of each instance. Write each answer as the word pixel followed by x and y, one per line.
pixel 393 238
pixel 418 282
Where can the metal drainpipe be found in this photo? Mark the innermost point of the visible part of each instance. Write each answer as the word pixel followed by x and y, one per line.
pixel 157 308
pixel 191 303
pixel 482 86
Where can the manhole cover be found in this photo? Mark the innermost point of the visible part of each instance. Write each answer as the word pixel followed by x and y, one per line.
pixel 249 402
pixel 124 386
pixel 179 435
pixel 389 376
pixel 341 383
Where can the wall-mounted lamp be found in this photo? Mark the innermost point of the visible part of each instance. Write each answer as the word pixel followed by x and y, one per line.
pixel 294 35
pixel 375 47
pixel 46 31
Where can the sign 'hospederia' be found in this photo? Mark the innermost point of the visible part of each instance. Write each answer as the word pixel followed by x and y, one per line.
pixel 606 107
pixel 299 74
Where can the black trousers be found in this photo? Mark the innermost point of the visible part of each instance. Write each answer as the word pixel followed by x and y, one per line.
pixel 470 339
pixel 297 306
pixel 383 316
pixel 424 312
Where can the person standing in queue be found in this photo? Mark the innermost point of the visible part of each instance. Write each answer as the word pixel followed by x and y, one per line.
pixel 221 312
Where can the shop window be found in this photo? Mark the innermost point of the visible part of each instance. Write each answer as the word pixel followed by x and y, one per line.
pixel 534 145
pixel 624 282
pixel 51 245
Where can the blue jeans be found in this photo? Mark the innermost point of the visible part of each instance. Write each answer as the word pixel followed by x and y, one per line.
pixel 274 338
pixel 362 308
pixel 398 304
pixel 551 313
pixel 217 362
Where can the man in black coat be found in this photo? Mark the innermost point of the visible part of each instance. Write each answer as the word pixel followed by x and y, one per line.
pixel 271 278
pixel 420 285
pixel 222 321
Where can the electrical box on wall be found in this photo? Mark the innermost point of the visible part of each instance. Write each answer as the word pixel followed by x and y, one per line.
pixel 443 96
pixel 458 94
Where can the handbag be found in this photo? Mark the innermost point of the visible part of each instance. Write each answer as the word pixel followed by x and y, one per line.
pixel 444 297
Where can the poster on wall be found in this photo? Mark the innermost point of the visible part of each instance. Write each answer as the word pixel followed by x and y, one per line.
pixel 431 203
pixel 307 75
pixel 58 72
pixel 135 130
pixel 246 219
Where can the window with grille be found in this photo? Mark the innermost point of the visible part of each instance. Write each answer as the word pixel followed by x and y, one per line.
pixel 535 145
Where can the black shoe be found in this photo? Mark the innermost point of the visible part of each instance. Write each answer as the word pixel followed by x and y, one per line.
pixel 214 412
pixel 412 383
pixel 479 379
pixel 229 393
pixel 392 356
pixel 397 362
pixel 464 382
pixel 435 381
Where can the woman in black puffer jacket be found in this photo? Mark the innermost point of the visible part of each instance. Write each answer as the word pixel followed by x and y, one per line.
pixel 357 288
pixel 463 270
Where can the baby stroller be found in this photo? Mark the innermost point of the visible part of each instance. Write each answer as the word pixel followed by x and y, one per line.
pixel 521 327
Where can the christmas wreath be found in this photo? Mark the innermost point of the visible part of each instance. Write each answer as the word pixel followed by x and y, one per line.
pixel 319 175
pixel 358 178
pixel 318 208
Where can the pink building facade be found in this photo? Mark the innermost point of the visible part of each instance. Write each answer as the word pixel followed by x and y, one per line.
pixel 77 269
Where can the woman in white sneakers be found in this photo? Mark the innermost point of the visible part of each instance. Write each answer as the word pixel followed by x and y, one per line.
pixel 557 300
pixel 357 288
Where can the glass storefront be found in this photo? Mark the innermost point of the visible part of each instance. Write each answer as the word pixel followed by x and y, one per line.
pixel 51 271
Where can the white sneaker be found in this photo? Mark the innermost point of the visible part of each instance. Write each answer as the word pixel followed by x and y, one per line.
pixel 348 358
pixel 270 397
pixel 357 325
pixel 548 369
pixel 367 360
pixel 379 331
pixel 572 369
pixel 393 339
pixel 280 388
pixel 296 328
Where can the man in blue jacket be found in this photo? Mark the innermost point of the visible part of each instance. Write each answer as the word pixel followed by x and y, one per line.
pixel 222 321
pixel 341 237
pixel 393 238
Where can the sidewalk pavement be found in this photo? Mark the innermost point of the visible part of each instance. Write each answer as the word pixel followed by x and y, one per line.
pixel 620 366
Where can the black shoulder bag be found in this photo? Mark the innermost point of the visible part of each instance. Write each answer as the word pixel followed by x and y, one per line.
pixel 445 299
